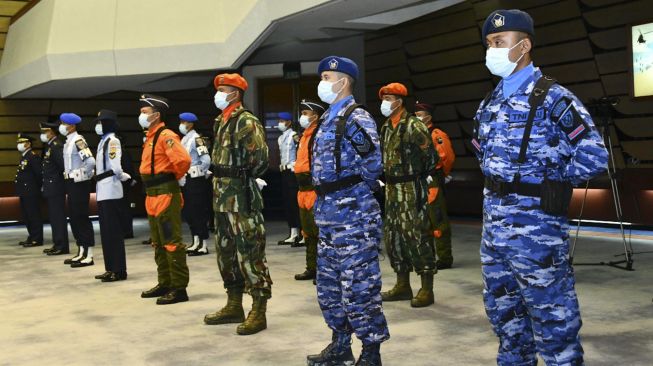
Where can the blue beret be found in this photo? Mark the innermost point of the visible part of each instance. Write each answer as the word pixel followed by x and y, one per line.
pixel 508 20
pixel 340 64
pixel 286 116
pixel 70 118
pixel 188 117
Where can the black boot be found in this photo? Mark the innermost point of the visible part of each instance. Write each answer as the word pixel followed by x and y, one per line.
pixel 337 353
pixel 103 276
pixel 307 275
pixel 173 297
pixel 155 291
pixel 370 356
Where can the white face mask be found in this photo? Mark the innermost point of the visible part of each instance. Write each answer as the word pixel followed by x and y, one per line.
pixel 304 121
pixel 497 60
pixel 44 137
pixel 282 126
pixel 63 130
pixel 143 120
pixel 21 147
pixel 220 99
pixel 386 108
pixel 183 129
pixel 98 129
pixel 326 93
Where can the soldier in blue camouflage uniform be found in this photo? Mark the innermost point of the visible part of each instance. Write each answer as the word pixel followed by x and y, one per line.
pixel 346 166
pixel 529 284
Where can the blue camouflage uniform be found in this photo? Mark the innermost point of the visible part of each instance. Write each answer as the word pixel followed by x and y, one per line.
pixel 529 284
pixel 349 222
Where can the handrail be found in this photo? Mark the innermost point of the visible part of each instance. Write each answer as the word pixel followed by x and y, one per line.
pixel 23 11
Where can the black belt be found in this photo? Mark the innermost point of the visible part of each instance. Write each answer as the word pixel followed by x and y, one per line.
pixel 402 178
pixel 304 179
pixel 225 171
pixel 164 178
pixel 107 174
pixel 330 187
pixel 505 188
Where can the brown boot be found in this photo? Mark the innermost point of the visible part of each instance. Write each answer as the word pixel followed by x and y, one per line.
pixel 401 291
pixel 425 295
pixel 231 313
pixel 256 320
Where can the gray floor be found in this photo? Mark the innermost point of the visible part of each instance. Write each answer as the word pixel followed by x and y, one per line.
pixel 55 315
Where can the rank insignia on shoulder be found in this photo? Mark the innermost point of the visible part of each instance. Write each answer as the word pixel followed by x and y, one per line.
pixel 81 144
pixel 570 121
pixel 199 141
pixel 440 141
pixel 113 149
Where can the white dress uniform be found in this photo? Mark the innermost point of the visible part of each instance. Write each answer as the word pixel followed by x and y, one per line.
pixel 288 142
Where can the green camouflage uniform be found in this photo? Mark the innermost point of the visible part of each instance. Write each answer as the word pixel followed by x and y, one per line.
pixel 440 223
pixel 408 151
pixel 240 146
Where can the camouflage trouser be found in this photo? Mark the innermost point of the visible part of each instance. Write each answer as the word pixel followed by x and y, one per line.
pixel 529 285
pixel 440 223
pixel 242 234
pixel 408 236
pixel 348 276
pixel 169 252
pixel 310 231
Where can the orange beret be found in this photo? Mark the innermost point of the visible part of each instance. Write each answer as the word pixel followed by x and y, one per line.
pixel 234 80
pixel 393 89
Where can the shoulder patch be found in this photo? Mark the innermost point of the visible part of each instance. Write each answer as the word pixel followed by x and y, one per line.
pixel 559 108
pixel 81 144
pixel 569 120
pixel 170 142
pixel 113 149
pixel 361 141
pixel 199 141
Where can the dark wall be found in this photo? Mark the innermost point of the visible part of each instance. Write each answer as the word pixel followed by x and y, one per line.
pixel 582 43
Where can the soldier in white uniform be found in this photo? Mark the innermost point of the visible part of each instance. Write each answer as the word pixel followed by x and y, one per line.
pixel 288 142
pixel 197 189
pixel 79 165
pixel 109 194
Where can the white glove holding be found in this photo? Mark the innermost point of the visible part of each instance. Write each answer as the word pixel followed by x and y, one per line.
pixel 429 179
pixel 291 167
pixel 448 179
pixel 261 183
pixel 208 174
pixel 76 175
pixel 182 181
pixel 381 184
pixel 125 177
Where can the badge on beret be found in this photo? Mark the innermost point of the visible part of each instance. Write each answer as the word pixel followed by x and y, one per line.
pixel 498 20
pixel 170 142
pixel 81 144
pixel 333 64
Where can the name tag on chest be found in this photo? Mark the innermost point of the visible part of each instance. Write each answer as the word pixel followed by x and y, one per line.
pixel 522 116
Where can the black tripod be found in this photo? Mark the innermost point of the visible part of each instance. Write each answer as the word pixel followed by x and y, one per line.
pixel 602 109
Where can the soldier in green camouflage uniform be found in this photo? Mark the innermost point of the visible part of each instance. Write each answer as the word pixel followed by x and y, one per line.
pixel 239 156
pixel 408 156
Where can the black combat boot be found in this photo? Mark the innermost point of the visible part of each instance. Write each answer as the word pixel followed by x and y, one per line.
pixel 173 296
pixel 370 356
pixel 337 353
pixel 155 291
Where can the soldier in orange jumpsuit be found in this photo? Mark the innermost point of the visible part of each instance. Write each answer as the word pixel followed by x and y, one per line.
pixel 311 112
pixel 164 164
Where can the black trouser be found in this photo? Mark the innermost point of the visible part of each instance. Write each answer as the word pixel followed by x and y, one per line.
pixel 80 223
pixel 31 207
pixel 58 221
pixel 289 195
pixel 126 217
pixel 111 233
pixel 198 195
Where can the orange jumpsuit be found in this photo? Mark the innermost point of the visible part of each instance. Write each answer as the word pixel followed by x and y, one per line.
pixel 306 197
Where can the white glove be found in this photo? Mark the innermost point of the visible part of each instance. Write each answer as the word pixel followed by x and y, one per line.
pixel 182 181
pixel 261 183
pixel 208 174
pixel 125 177
pixel 76 175
pixel 291 167
pixel 448 179
pixel 429 179
pixel 381 184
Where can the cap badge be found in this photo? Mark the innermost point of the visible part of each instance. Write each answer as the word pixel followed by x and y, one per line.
pixel 333 64
pixel 498 20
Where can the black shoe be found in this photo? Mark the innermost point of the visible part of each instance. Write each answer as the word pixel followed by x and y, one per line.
pixel 298 243
pixel 103 275
pixel 24 242
pixel 32 244
pixel 58 252
pixel 370 356
pixel 307 275
pixel 128 236
pixel 286 242
pixel 72 260
pixel 47 250
pixel 113 277
pixel 198 252
pixel 147 242
pixel 337 353
pixel 443 265
pixel 81 264
pixel 173 297
pixel 155 291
